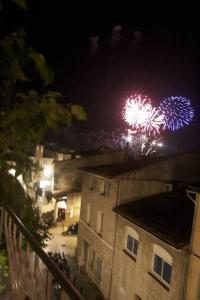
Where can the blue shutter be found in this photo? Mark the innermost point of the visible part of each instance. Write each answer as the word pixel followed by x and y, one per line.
pixel 130 243
pixel 167 269
pixel 157 264
pixel 135 247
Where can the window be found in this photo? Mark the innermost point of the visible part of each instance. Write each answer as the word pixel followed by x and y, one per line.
pixel 86 252
pixel 99 222
pixel 88 213
pixel 162 264
pixel 132 244
pixel 107 188
pixel 95 184
pixel 131 241
pixel 97 270
pixel 100 185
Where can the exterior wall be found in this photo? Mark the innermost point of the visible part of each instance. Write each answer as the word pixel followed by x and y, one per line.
pixel 96 246
pixel 132 277
pixel 151 180
pixel 133 189
pixel 73 208
pixel 184 167
pixel 101 245
pixel 66 171
pixel 193 285
pixel 193 282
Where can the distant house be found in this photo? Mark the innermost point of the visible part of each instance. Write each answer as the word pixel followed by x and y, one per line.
pixel 68 180
pixel 110 242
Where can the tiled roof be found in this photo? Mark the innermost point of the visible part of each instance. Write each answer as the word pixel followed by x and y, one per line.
pixel 168 216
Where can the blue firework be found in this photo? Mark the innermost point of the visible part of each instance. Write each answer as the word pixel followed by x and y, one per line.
pixel 177 111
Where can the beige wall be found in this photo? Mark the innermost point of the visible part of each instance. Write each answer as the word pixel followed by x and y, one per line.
pixel 184 167
pixel 152 179
pixel 193 286
pixel 133 189
pixel 103 246
pixel 193 280
pixel 66 171
pixel 99 247
pixel 73 208
pixel 99 202
pixel 132 277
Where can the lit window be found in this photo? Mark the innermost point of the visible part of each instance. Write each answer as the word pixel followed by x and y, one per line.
pixel 12 172
pixel 162 264
pixel 47 171
pixel 44 183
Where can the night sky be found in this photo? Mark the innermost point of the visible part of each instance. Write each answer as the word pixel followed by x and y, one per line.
pixel 101 56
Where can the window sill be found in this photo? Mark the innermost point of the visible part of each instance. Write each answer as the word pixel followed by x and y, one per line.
pixel 131 256
pixel 100 235
pixel 159 281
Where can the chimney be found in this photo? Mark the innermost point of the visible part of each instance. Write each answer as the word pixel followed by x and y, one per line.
pixel 39 152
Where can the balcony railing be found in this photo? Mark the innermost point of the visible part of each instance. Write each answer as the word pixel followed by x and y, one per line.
pixel 33 275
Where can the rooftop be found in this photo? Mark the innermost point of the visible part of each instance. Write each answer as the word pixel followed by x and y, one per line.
pixel 168 216
pixel 113 170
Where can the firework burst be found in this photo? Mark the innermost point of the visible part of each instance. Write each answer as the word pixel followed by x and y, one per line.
pixel 177 111
pixel 142 116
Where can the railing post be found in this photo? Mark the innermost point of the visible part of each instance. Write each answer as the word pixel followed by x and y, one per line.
pixel 1 223
pixel 32 278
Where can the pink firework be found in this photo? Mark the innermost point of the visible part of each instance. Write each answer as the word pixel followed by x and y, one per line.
pixel 154 122
pixel 142 116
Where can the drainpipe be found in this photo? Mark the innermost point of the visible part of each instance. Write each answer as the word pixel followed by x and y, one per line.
pixel 117 203
pixel 190 195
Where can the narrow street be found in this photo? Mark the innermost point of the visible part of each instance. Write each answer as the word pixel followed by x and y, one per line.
pixel 60 243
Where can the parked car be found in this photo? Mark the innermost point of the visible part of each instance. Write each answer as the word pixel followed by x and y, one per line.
pixel 71 230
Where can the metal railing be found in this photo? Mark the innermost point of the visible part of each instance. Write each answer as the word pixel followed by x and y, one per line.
pixel 33 274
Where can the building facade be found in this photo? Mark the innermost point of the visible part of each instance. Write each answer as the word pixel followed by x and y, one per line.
pixel 102 232
pixel 193 272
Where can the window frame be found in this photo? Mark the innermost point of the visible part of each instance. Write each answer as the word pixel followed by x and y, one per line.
pixel 166 260
pixel 97 279
pixel 88 213
pixel 85 241
pixel 99 227
pixel 130 232
pixel 106 188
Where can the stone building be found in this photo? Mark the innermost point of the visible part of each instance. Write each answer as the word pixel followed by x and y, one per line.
pixel 151 248
pixel 68 181
pixel 101 230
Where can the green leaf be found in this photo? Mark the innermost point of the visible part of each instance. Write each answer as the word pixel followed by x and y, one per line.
pixel 21 3
pixel 18 72
pixel 33 93
pixel 46 73
pixel 78 112
pixel 22 96
pixel 53 94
